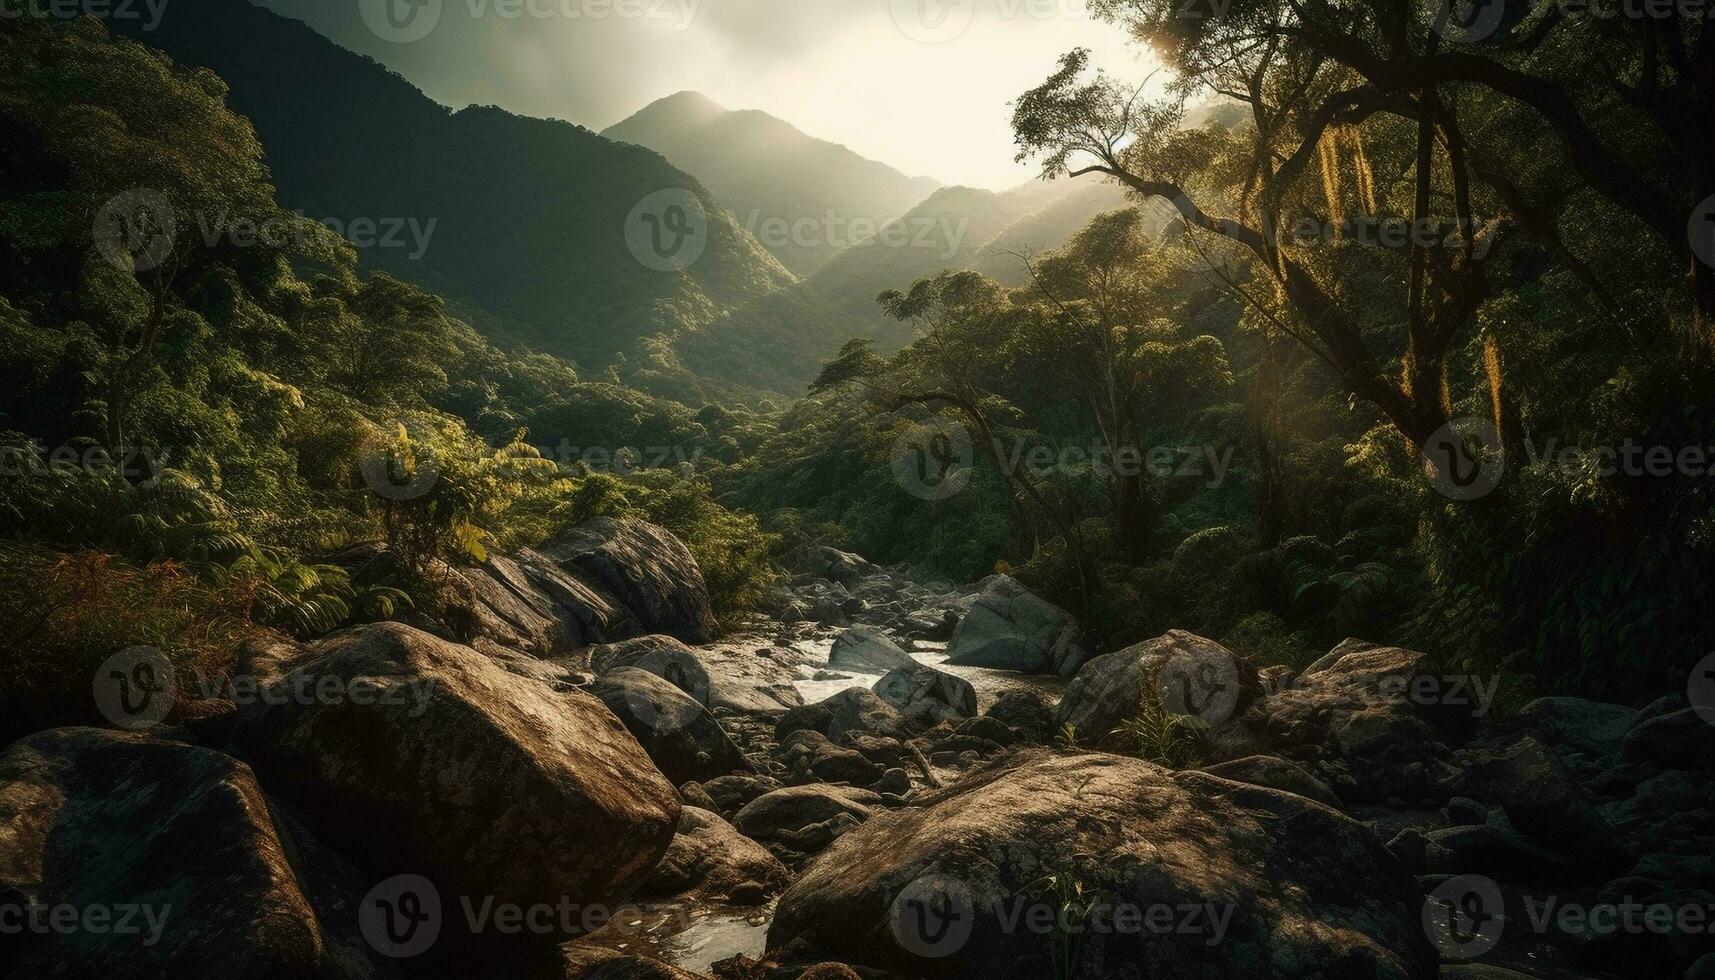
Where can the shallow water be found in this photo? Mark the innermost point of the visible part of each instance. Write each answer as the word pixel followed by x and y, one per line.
pixel 689 936
pixel 990 684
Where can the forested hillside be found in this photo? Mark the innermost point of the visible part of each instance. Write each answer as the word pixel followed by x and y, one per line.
pixel 799 195
pixel 528 235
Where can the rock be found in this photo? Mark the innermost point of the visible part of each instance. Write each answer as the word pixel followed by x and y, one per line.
pixel 1679 740
pixel 663 656
pixel 712 860
pixel 1498 852
pixel 833 564
pixel 928 696
pixel 683 739
pixel 693 794
pixel 1354 720
pixel 1542 800
pixel 720 678
pixel 895 782
pixel 868 651
pixel 527 603
pixel 1266 770
pixel 1667 811
pixel 1180 672
pixel 1334 656
pixel 1025 712
pixel 179 850
pixel 644 567
pixel 493 784
pixel 731 793
pixel 743 681
pixel 989 729
pixel 852 710
pixel 1009 628
pixel 785 814
pixel 925 891
pixel 1585 725
pixel 587 961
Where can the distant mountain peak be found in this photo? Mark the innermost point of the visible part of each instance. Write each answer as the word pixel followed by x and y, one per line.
pixel 772 175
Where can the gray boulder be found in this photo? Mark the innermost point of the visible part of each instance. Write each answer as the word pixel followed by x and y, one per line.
pixel 1680 740
pixel 1179 673
pixel 179 846
pixel 681 737
pixel 1266 770
pixel 1588 726
pixel 1009 628
pixel 646 569
pixel 868 651
pixel 928 696
pixel 805 818
pixel 854 710
pixel 1287 888
pixel 711 860
pixel 432 756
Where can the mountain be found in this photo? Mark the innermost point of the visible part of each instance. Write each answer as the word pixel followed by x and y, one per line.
pixel 773 176
pixel 780 341
pixel 520 223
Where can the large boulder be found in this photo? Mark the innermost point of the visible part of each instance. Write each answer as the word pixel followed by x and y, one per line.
pixel 866 650
pixel 1025 712
pixel 1186 875
pixel 663 656
pixel 1588 726
pixel 712 860
pixel 928 696
pixel 1542 800
pixel 833 564
pixel 805 818
pixel 527 603
pixel 171 861
pixel 726 678
pixel 1178 673
pixel 1009 628
pixel 1266 770
pixel 1679 740
pixel 854 710
pixel 1362 725
pixel 682 738
pixel 647 569
pixel 428 757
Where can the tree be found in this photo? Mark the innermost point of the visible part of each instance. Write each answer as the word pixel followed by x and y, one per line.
pixel 1107 333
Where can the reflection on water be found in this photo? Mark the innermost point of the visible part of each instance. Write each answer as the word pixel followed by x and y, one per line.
pixel 691 937
pixel 990 684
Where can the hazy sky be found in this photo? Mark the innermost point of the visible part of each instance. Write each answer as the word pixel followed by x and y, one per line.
pixel 872 74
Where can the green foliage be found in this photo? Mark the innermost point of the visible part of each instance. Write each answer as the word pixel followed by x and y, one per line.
pixel 1163 737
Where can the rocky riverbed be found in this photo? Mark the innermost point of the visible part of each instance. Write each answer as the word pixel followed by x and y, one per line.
pixel 574 778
